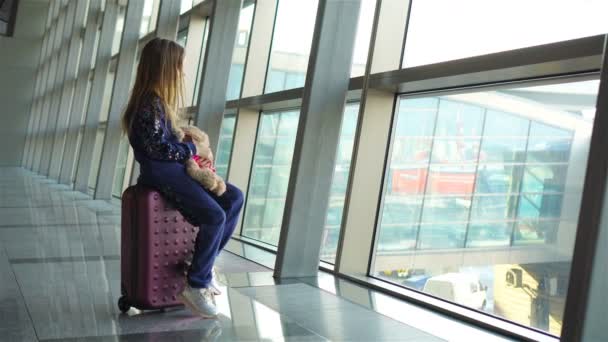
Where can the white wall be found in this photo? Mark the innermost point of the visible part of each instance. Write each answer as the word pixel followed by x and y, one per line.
pixel 19 57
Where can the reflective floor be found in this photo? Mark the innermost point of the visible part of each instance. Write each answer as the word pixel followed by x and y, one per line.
pixel 60 274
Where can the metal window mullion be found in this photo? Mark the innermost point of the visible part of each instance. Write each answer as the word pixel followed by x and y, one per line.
pixel 102 67
pixel 68 87
pixel 317 138
pixel 79 104
pixel 119 99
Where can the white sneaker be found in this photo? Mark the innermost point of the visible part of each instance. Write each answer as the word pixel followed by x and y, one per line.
pixel 214 285
pixel 199 301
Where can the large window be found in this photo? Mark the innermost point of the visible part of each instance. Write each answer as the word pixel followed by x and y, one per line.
pixel 222 160
pixel 149 16
pixel 442 30
pixel 362 40
pixel 120 24
pixel 292 38
pixel 481 198
pixel 270 176
pixel 339 183
pixel 201 62
pixel 239 55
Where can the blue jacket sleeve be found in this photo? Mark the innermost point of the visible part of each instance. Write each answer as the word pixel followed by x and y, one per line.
pixel 155 139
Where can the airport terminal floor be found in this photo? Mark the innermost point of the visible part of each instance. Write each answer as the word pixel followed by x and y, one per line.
pixel 60 266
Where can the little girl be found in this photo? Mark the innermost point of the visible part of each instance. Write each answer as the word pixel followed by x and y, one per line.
pixel 148 120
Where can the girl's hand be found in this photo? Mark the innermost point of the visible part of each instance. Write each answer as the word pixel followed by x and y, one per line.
pixel 187 138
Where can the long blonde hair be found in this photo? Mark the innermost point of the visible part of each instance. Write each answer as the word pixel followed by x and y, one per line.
pixel 159 72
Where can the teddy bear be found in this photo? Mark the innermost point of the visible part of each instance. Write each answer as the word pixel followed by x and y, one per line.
pixel 200 167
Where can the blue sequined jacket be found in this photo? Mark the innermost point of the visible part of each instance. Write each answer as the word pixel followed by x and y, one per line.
pixel 155 146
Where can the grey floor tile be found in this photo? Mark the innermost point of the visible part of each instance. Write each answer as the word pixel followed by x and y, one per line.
pixel 57 241
pixel 15 322
pixel 49 215
pixel 333 317
pixel 249 279
pixel 231 263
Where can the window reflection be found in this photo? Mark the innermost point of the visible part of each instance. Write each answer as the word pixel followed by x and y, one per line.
pixel 292 39
pixel 239 55
pixel 270 176
pixel 333 222
pixel 486 184
pixel 224 148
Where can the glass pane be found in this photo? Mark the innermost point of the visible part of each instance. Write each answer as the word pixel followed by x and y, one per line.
pixel 120 23
pixel 442 236
pixel 499 207
pixel 362 39
pixel 339 184
pixel 548 144
pixel 239 55
pixel 77 155
pixel 489 234
pixel 185 6
pixel 535 232
pixel 445 209
pixel 544 178
pixel 458 119
pixel 201 62
pixel 498 178
pixel 107 96
pixel 478 27
pixel 502 214
pixel 504 138
pixel 291 41
pixel 453 179
pixel 182 37
pixel 270 176
pixel 149 16
pixel 222 160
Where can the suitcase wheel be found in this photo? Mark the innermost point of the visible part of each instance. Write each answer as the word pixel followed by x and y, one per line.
pixel 123 304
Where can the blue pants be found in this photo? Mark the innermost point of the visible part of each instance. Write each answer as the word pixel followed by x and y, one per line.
pixel 217 219
pixel 215 216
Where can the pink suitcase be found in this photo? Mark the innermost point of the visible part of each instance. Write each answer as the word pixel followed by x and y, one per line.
pixel 156 241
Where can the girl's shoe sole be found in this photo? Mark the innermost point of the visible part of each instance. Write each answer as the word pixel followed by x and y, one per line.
pixel 194 309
